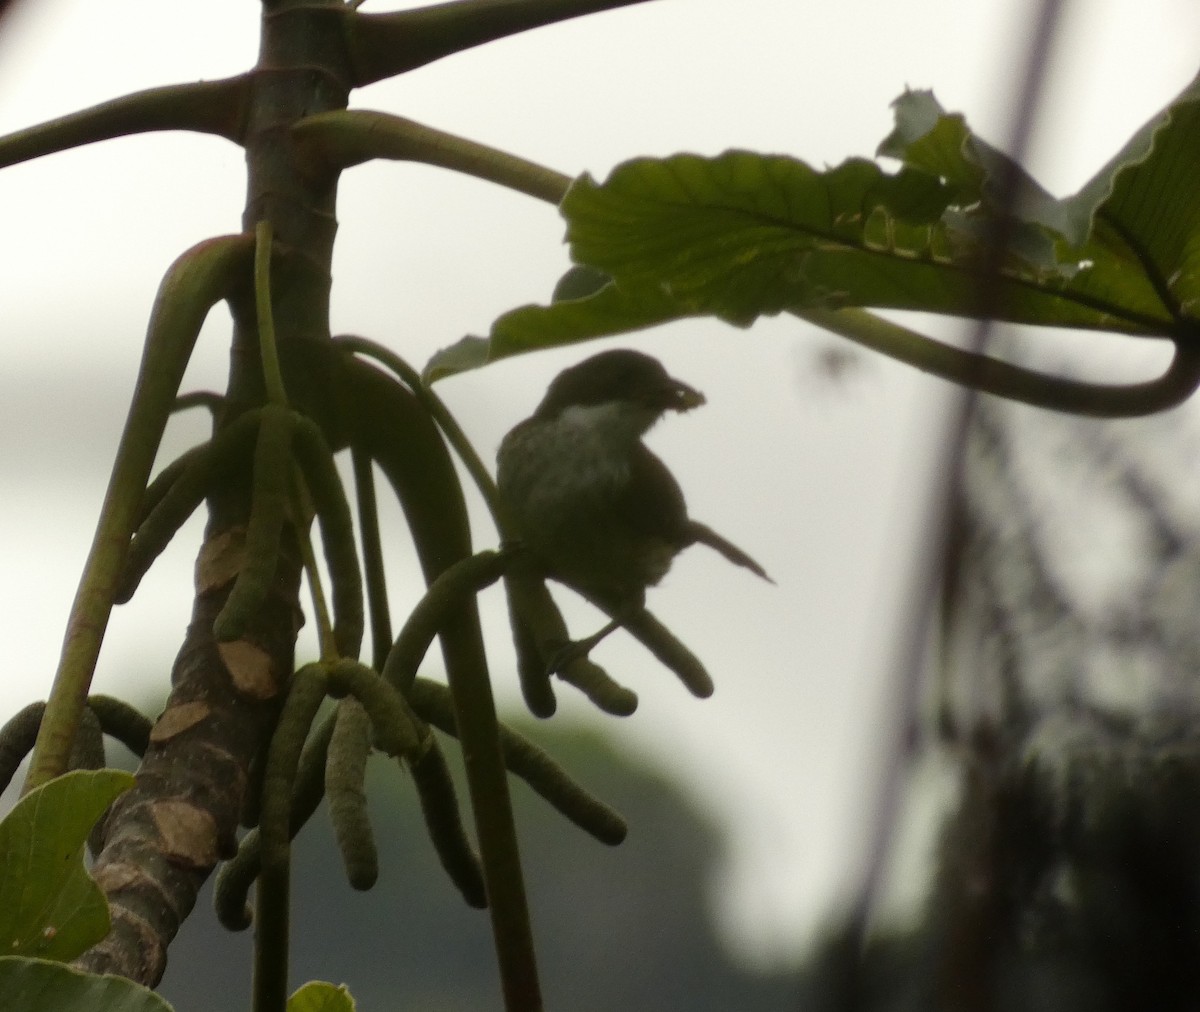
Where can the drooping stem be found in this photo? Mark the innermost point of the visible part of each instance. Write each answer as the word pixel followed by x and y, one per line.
pixel 989 375
pixel 440 413
pixel 195 282
pixel 372 549
pixel 346 137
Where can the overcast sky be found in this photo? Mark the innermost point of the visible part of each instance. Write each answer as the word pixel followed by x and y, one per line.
pixel 823 481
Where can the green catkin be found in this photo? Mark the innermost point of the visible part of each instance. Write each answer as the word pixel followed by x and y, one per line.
pixel 16 739
pixel 345 772
pixel 431 700
pixel 459 583
pixel 177 493
pixel 123 722
pixel 268 513
pixel 237 875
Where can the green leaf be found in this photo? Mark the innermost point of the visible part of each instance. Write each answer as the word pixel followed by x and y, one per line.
pixel 743 235
pixel 1145 202
pixel 578 283
pixel 928 139
pixel 39 985
pixel 738 236
pixel 318 996
pixel 469 352
pixel 49 905
pixel 613 309
pixel 1136 222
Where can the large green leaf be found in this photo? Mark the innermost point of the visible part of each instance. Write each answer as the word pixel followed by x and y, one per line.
pixel 742 235
pixel 40 985
pixel 1147 201
pixel 1136 223
pixel 320 996
pixel 49 905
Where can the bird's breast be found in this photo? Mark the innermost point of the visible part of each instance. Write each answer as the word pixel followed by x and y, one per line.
pixel 563 482
pixel 572 459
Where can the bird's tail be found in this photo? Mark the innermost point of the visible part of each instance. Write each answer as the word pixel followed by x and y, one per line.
pixel 707 536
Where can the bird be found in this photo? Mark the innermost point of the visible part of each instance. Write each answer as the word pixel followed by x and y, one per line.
pixel 586 500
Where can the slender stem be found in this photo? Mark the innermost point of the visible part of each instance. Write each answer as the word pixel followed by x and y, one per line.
pixel 398 431
pixel 272 376
pixel 272 898
pixel 194 283
pixel 214 107
pixel 346 137
pixel 302 521
pixel 372 548
pixel 301 506
pixel 457 584
pixel 479 732
pixel 440 414
pixel 210 400
pixel 986 374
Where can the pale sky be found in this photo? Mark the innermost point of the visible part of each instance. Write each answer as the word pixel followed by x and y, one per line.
pixel 823 482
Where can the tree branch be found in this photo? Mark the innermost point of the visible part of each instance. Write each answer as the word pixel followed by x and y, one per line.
pixel 384 45
pixel 212 107
pixel 346 137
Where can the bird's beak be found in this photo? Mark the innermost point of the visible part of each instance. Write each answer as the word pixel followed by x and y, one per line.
pixel 681 397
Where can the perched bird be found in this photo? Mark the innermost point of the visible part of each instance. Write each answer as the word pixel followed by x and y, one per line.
pixel 585 497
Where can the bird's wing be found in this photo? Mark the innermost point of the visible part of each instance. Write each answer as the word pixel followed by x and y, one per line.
pixel 651 503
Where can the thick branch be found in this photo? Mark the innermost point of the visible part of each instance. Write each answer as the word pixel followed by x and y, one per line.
pixel 384 45
pixel 165 835
pixel 211 107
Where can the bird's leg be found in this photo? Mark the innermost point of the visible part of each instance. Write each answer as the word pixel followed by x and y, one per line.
pixel 619 612
pixel 652 634
pixel 575 649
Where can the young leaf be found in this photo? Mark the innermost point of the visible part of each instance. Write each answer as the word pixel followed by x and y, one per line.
pixel 49 905
pixel 319 996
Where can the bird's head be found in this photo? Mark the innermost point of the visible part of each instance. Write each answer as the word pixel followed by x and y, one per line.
pixel 631 385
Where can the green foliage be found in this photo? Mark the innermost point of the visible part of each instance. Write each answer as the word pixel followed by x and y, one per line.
pixel 49 905
pixel 39 985
pixel 736 236
pixel 742 235
pixel 318 996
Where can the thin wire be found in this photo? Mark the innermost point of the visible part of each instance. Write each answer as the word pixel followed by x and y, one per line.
pixel 937 517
